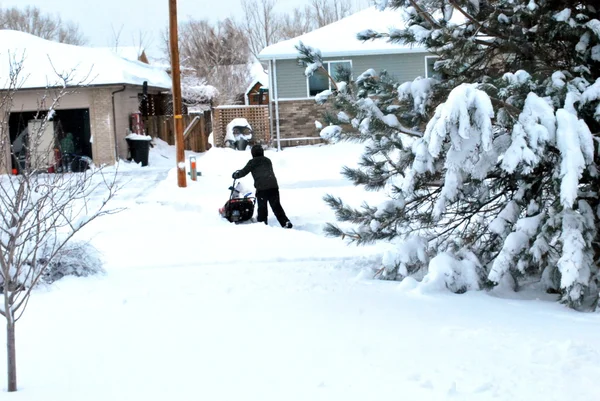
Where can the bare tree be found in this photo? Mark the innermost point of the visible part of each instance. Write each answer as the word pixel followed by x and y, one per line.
pixel 204 46
pixel 327 11
pixel 39 212
pixel 142 40
pixel 264 26
pixel 115 41
pixel 261 23
pixel 296 23
pixel 216 54
pixel 32 20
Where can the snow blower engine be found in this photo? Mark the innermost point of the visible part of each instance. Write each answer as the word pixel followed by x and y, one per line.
pixel 238 209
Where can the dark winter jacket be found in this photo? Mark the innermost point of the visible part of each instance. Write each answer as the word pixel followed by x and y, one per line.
pixel 262 172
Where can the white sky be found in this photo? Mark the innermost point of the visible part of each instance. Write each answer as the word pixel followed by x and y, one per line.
pixel 96 19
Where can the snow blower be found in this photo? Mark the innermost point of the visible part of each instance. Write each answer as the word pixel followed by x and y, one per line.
pixel 238 209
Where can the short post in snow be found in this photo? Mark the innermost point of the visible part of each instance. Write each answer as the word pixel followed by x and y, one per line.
pixel 193 173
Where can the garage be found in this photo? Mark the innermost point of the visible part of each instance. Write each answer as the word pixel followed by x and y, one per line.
pixel 67 138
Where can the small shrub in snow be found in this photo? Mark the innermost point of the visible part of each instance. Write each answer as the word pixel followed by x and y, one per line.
pixel 78 259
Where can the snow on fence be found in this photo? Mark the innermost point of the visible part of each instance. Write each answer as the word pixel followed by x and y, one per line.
pixel 197 140
pixel 257 117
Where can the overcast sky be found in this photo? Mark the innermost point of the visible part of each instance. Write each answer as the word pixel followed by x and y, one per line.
pixel 97 19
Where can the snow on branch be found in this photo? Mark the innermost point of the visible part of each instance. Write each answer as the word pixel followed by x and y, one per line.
pixel 536 127
pixel 467 113
pixel 574 140
pixel 464 121
pixel 576 262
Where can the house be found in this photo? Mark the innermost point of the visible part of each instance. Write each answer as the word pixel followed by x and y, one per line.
pixel 293 109
pixel 103 91
pixel 257 93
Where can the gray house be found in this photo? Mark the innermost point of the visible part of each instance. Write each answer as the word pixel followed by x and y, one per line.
pixel 293 109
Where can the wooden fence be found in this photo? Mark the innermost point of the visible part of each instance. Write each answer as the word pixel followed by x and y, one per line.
pixel 197 140
pixel 257 117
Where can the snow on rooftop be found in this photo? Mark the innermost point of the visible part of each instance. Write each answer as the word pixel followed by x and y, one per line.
pixel 339 38
pixel 127 52
pixel 258 75
pixel 44 60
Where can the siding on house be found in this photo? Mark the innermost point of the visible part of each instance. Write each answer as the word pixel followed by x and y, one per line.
pixel 33 100
pixel 126 103
pixel 291 82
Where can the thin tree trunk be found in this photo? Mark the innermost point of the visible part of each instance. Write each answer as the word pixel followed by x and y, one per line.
pixel 11 352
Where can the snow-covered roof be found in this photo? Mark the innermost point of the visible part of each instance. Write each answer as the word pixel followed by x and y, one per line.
pixel 339 38
pixel 44 59
pixel 127 52
pixel 258 74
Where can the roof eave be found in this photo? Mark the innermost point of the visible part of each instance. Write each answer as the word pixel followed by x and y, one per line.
pixel 325 54
pixel 161 88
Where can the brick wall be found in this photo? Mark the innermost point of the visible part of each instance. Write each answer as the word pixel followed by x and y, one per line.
pixel 297 120
pixel 101 124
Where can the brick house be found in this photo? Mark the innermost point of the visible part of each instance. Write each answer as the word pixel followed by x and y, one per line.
pixel 292 107
pixel 102 91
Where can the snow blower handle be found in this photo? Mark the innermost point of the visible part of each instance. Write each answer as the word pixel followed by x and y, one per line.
pixel 232 188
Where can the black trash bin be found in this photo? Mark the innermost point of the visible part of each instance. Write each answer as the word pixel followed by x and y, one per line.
pixel 139 149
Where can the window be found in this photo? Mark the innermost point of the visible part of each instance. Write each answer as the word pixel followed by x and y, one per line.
pixel 319 81
pixel 429 68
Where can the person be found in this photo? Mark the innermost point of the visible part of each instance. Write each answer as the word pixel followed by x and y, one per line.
pixel 67 147
pixel 265 182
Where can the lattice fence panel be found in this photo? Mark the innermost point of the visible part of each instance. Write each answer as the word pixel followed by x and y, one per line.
pixel 257 117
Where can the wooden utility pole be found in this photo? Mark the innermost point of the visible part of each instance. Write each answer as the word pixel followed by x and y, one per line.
pixel 178 118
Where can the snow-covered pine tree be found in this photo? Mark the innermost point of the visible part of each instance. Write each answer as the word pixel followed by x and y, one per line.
pixel 494 163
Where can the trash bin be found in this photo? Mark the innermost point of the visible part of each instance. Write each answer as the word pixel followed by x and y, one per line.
pixel 139 147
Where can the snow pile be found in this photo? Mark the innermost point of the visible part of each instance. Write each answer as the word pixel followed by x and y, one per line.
pixel 138 137
pixel 52 64
pixel 447 272
pixel 331 133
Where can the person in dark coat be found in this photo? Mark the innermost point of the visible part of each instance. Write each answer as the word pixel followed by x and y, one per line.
pixel 265 182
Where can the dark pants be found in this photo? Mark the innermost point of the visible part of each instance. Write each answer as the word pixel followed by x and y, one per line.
pixel 272 197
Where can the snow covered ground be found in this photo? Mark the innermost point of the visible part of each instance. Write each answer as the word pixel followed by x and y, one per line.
pixel 195 308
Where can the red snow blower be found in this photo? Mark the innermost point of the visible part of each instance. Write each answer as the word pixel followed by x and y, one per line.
pixel 238 209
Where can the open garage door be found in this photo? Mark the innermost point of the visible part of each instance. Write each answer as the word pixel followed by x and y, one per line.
pixel 70 131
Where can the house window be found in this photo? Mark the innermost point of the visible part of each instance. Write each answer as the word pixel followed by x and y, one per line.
pixel 319 81
pixel 429 70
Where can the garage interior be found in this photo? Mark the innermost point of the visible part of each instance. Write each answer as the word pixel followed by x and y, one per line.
pixel 64 148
